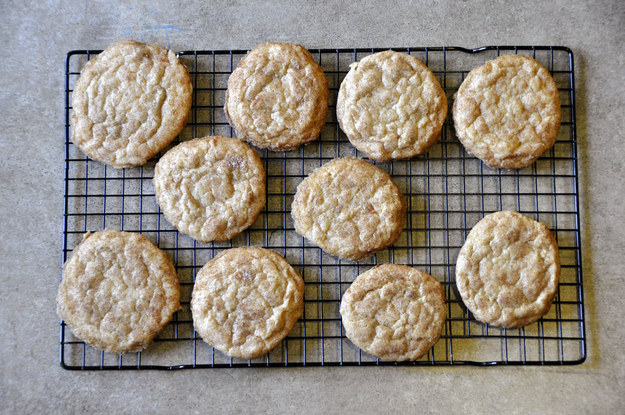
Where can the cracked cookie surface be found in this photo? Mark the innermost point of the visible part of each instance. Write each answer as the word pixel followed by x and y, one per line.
pixel 129 103
pixel 508 270
pixel 507 112
pixel 391 106
pixel 118 291
pixel 349 208
pixel 277 97
pixel 246 300
pixel 210 188
pixel 394 312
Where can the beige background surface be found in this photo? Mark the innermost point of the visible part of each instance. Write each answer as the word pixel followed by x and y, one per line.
pixel 36 36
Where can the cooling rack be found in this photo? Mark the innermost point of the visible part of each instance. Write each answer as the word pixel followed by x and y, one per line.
pixel 447 192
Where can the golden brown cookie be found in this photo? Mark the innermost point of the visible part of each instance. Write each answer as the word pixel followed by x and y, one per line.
pixel 391 106
pixel 210 188
pixel 508 269
pixel 349 208
pixel 118 291
pixel 507 112
pixel 129 103
pixel 277 97
pixel 246 300
pixel 394 312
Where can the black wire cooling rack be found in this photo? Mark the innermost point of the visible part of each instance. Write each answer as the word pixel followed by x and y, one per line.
pixel 447 192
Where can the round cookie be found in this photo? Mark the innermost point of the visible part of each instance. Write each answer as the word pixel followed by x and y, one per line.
pixel 210 188
pixel 394 312
pixel 349 208
pixel 118 291
pixel 508 269
pixel 391 106
pixel 129 103
pixel 246 300
pixel 507 112
pixel 277 97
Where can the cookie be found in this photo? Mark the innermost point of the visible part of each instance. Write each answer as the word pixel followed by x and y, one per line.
pixel 508 269
pixel 277 97
pixel 507 112
pixel 246 300
pixel 129 103
pixel 118 291
pixel 349 208
pixel 391 106
pixel 210 188
pixel 394 312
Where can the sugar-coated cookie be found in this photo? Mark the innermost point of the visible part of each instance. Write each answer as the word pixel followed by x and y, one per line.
pixel 508 270
pixel 394 312
pixel 391 106
pixel 277 97
pixel 507 112
pixel 210 188
pixel 118 291
pixel 246 300
pixel 349 208
pixel 129 103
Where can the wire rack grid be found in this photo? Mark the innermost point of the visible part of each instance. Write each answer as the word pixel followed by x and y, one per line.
pixel 447 192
